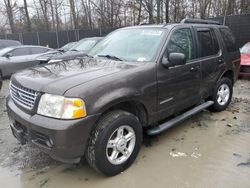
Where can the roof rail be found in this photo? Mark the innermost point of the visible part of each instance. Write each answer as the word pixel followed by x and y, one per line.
pixel 199 21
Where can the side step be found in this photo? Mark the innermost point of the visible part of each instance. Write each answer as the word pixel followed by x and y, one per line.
pixel 160 128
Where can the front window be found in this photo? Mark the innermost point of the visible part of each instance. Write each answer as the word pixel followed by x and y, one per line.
pixel 130 44
pixel 181 41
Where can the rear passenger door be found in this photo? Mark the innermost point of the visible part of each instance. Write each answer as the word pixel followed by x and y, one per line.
pixel 211 58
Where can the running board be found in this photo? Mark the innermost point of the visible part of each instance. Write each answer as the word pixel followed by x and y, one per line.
pixel 178 119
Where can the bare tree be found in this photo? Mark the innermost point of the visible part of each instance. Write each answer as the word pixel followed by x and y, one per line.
pixel 9 9
pixel 44 6
pixel 27 15
pixel 73 12
pixel 166 11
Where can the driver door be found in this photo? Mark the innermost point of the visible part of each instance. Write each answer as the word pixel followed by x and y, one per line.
pixel 179 86
pixel 19 57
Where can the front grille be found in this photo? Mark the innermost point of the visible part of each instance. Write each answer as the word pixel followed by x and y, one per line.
pixel 23 96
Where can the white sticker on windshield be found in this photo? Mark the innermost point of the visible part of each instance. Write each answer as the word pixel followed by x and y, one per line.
pixel 152 32
pixel 141 59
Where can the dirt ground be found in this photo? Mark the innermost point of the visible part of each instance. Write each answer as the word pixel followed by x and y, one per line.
pixel 208 150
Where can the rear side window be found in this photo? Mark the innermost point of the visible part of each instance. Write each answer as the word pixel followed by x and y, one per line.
pixel 208 43
pixel 37 50
pixel 215 42
pixel 20 52
pixel 228 39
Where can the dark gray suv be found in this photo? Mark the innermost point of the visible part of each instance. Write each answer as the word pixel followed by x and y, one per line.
pixel 138 78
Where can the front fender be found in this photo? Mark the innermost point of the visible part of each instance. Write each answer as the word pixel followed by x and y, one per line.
pixel 112 98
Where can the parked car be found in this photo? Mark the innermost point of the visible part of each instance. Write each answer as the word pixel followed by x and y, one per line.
pixel 245 60
pixel 80 49
pixel 15 58
pixel 67 46
pixel 148 77
pixel 6 43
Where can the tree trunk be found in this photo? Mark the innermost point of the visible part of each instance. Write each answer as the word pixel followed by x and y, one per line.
pixel 44 6
pixel 58 25
pixel 73 12
pixel 9 10
pixel 167 11
pixel 150 11
pixel 139 13
pixel 27 15
pixel 90 14
pixel 158 11
pixel 52 13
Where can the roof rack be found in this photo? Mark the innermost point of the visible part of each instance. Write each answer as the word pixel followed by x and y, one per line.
pixel 199 21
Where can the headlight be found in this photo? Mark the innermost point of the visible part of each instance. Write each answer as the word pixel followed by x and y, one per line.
pixel 61 107
pixel 55 60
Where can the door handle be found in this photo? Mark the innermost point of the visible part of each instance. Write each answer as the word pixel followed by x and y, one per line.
pixel 194 68
pixel 221 61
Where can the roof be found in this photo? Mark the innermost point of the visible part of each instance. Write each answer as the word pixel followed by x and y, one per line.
pixel 22 46
pixel 92 38
pixel 8 40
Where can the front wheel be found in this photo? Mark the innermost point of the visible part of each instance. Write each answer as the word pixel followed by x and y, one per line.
pixel 222 94
pixel 115 143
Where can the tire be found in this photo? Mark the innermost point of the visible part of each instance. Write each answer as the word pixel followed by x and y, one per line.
pixel 221 101
pixel 108 130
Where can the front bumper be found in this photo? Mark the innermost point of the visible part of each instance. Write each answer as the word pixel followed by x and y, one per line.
pixel 63 140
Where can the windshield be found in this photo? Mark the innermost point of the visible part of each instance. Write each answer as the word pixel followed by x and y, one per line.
pixel 84 45
pixel 130 44
pixel 4 51
pixel 245 49
pixel 68 46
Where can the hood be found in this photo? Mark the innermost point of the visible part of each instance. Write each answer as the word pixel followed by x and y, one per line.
pixel 69 55
pixel 245 59
pixel 57 78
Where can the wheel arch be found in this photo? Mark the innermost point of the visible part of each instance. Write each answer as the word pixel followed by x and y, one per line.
pixel 228 74
pixel 132 106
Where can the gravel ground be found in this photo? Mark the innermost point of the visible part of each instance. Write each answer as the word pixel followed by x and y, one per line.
pixel 208 150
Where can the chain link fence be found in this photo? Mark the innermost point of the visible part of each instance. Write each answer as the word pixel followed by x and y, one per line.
pixel 56 39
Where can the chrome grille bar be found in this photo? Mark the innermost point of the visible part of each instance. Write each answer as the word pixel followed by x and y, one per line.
pixel 23 96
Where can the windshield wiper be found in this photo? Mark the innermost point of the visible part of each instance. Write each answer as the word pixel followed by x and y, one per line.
pixel 111 57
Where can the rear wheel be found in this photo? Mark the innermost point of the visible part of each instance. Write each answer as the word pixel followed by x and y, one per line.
pixel 115 143
pixel 222 94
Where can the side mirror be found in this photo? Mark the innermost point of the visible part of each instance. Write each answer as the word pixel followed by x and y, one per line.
pixel 174 59
pixel 8 55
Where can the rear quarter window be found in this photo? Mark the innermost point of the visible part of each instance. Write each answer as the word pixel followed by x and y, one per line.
pixel 37 50
pixel 228 39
